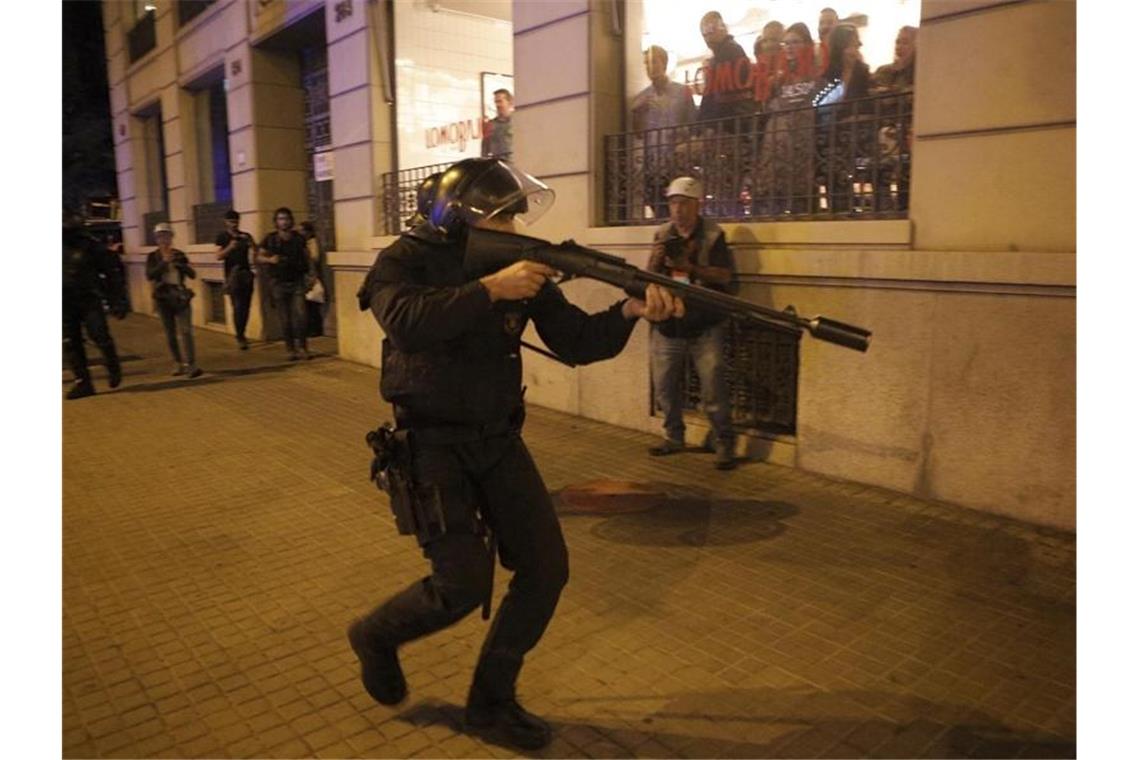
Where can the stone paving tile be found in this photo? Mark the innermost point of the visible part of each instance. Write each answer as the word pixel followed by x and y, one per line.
pixel 220 533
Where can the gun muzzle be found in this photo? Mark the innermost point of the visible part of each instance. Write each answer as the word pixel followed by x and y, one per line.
pixel 839 333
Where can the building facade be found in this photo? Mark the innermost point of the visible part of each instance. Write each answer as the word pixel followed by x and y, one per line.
pixel 967 394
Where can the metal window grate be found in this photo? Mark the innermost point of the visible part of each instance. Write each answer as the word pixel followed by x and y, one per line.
pixel 398 195
pixel 763 376
pixel 849 160
pixel 208 221
pixel 215 302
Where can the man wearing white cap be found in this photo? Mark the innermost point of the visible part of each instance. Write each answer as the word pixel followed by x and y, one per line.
pixel 168 269
pixel 692 249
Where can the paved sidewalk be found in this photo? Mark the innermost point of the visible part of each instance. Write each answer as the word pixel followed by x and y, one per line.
pixel 219 534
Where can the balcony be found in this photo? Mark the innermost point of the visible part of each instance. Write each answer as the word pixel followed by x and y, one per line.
pixel 849 160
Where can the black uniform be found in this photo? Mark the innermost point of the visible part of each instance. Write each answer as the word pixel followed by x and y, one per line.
pixel 451 369
pixel 239 277
pixel 90 274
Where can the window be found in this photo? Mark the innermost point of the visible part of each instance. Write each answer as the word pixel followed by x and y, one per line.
pixel 141 37
pixel 212 137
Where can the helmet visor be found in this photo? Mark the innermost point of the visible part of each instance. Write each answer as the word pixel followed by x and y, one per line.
pixel 510 190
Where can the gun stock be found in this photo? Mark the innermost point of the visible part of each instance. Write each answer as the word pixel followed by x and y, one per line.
pixel 491 250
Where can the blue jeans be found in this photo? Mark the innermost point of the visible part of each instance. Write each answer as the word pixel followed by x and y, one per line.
pixel 667 362
pixel 289 297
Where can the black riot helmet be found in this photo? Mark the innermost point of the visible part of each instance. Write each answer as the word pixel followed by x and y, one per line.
pixel 481 188
pixel 425 195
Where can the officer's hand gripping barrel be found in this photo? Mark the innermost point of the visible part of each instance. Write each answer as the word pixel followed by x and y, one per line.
pixel 491 250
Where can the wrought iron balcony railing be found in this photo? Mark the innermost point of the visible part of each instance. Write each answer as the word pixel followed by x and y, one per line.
pixel 398 195
pixel 841 161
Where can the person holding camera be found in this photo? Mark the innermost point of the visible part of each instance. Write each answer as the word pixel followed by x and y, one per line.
pixel 285 252
pixel 692 249
pixel 233 248
pixel 168 269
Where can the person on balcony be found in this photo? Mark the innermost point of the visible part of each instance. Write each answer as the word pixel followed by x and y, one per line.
pixel 692 249
pixel 288 258
pixel 168 269
pixel 845 139
pixel 233 247
pixel 783 178
pixel 656 110
pixel 898 75
pixel 728 102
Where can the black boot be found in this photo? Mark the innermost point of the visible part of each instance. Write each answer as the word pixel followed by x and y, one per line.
pixel 81 389
pixel 491 704
pixel 379 667
pixel 114 373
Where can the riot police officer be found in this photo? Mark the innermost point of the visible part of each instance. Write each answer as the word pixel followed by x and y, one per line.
pixel 460 470
pixel 90 275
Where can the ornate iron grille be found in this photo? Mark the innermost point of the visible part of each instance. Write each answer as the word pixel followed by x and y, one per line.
pixel 149 220
pixel 842 161
pixel 763 375
pixel 141 38
pixel 208 221
pixel 190 9
pixel 318 138
pixel 215 302
pixel 398 195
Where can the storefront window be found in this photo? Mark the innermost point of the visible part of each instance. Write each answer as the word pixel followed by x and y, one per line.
pixel 449 62
pixel 676 27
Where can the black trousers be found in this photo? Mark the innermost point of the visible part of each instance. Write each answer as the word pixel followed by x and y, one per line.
pixel 77 315
pixel 241 300
pixel 289 299
pixel 498 475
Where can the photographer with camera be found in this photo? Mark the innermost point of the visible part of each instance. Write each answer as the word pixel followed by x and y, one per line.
pixel 168 268
pixel 692 249
pixel 233 248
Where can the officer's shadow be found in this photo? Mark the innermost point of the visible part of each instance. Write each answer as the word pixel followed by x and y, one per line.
pixel 769 722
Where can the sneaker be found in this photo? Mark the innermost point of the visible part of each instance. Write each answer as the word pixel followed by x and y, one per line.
pixel 305 354
pixel 519 727
pixel 180 370
pixel 725 458
pixel 80 390
pixel 243 344
pixel 380 670
pixel 195 372
pixel 294 356
pixel 666 447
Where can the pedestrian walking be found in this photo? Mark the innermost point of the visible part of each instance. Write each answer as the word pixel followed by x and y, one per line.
pixel 168 269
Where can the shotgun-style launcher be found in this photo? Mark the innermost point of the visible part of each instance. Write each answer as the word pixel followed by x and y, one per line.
pixel 491 250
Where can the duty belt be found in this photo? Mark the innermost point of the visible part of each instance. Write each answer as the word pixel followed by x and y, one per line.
pixel 450 435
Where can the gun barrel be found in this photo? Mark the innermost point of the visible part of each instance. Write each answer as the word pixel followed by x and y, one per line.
pixel 489 250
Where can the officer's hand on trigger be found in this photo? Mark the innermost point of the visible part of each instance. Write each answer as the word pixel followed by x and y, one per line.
pixel 658 306
pixel 520 280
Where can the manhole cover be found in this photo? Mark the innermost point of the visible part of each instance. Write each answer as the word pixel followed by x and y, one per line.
pixel 609 497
